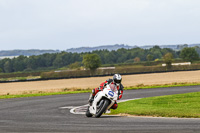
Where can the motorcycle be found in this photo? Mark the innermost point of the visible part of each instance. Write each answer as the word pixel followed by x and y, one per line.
pixel 103 101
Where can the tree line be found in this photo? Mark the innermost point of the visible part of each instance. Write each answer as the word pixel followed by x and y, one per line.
pixel 62 59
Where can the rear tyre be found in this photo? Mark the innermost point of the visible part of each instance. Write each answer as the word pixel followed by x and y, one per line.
pixel 88 114
pixel 102 108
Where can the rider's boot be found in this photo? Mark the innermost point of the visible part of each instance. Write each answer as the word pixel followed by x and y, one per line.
pixel 108 111
pixel 91 99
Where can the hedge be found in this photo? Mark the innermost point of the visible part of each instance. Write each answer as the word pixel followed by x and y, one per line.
pixel 120 70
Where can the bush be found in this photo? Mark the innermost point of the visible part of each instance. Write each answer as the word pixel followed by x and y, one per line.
pixel 75 65
pixel 10 75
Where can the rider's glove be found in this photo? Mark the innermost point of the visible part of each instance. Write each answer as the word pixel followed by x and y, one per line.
pixel 104 84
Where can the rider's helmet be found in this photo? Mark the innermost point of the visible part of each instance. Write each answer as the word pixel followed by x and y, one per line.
pixel 117 78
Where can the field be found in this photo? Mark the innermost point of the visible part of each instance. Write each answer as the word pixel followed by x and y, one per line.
pixel 85 83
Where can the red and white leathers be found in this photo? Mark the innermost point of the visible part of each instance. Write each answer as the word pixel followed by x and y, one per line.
pixel 101 87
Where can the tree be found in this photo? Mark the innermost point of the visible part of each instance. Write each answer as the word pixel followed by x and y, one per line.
pixel 58 62
pixel 48 59
pixel 136 59
pixel 168 58
pixel 156 52
pixel 75 65
pixel 149 57
pixel 8 66
pixel 197 48
pixel 91 61
pixel 19 63
pixel 32 62
pixel 189 54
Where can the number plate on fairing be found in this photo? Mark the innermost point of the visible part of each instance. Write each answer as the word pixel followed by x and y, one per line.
pixel 111 93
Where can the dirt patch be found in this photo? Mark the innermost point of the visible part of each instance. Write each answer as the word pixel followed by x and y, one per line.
pixel 85 83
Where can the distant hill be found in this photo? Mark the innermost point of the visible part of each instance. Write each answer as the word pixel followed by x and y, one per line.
pixel 118 46
pixel 6 53
pixel 176 47
pixel 25 52
pixel 108 47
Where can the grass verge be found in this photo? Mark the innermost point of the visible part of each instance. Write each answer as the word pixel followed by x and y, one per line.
pixel 142 86
pixel 43 94
pixel 179 105
pixel 19 78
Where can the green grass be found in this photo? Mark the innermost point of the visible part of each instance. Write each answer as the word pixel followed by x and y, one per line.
pixel 19 78
pixel 142 86
pixel 43 94
pixel 180 105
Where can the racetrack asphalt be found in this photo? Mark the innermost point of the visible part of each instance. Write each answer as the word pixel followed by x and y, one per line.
pixel 44 114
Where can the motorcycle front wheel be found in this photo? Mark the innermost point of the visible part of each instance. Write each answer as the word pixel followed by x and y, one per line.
pixel 102 108
pixel 88 114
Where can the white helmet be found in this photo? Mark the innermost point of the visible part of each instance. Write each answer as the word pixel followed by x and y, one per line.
pixel 117 78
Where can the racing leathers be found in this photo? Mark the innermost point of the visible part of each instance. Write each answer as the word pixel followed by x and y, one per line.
pixel 101 87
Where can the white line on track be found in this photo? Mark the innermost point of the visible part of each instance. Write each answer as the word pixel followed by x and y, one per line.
pixel 68 107
pixel 73 110
pixel 82 109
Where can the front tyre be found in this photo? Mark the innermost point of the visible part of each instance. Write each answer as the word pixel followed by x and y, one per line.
pixel 102 108
pixel 88 114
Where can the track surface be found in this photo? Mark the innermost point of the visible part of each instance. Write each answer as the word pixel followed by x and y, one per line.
pixel 43 114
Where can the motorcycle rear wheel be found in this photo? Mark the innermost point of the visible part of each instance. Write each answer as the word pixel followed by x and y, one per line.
pixel 102 108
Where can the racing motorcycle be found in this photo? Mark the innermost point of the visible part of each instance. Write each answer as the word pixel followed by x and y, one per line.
pixel 103 101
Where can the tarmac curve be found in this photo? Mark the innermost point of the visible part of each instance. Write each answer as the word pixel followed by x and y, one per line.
pixel 52 114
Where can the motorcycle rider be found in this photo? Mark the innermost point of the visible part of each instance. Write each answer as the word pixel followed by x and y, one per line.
pixel 116 81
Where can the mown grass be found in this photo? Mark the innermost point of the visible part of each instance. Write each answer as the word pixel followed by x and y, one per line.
pixel 19 78
pixel 180 105
pixel 42 94
pixel 142 86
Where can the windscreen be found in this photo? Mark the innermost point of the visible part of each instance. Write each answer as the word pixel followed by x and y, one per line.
pixel 113 87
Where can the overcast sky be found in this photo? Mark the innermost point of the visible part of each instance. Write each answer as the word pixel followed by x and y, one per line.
pixel 63 24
